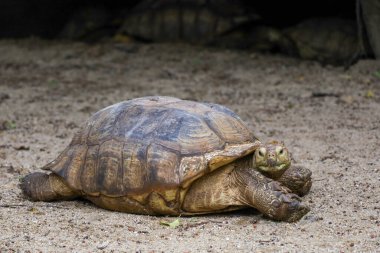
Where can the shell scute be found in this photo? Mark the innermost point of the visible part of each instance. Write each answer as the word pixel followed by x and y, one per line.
pixel 110 171
pixel 229 129
pixel 103 122
pixel 160 165
pixel 191 167
pixel 89 173
pixel 69 166
pixel 135 174
pixel 187 133
pixel 138 123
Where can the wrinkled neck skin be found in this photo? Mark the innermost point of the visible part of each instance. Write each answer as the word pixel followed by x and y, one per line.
pixel 245 179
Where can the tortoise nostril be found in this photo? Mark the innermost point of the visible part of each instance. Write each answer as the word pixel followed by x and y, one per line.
pixel 272 162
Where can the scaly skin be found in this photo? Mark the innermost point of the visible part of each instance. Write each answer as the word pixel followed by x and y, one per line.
pixel 237 186
pixel 297 179
pixel 270 197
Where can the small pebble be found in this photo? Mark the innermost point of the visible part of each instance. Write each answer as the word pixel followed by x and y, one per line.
pixel 103 245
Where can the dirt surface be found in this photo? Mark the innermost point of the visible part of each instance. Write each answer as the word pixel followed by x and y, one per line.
pixel 329 118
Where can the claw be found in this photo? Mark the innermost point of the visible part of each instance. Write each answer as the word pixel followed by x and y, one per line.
pixel 298 211
pixel 289 198
pixel 276 186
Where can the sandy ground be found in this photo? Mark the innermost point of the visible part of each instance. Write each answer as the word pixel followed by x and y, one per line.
pixel 329 118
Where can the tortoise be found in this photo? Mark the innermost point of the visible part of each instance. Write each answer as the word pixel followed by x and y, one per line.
pixel 166 156
pixel 327 40
pixel 88 24
pixel 194 21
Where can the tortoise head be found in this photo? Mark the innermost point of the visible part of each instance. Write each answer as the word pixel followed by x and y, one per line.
pixel 272 159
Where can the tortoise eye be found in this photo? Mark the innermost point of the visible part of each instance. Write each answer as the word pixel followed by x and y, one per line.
pixel 262 152
pixel 280 150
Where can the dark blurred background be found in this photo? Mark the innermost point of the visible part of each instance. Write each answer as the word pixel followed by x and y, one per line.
pixel 331 32
pixel 44 18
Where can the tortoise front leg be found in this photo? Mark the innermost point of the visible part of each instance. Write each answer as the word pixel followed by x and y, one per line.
pixel 297 179
pixel 270 197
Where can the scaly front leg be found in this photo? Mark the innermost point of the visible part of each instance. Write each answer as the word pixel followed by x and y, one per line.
pixel 269 196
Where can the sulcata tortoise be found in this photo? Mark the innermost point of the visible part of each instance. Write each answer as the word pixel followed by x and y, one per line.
pixel 327 40
pixel 195 21
pixel 167 156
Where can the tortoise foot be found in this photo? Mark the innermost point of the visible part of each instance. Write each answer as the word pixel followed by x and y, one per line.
pixel 285 206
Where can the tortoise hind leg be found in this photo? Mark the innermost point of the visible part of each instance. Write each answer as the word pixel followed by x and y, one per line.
pixel 43 187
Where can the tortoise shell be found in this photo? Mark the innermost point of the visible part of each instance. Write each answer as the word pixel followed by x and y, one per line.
pixel 151 144
pixel 327 40
pixel 193 21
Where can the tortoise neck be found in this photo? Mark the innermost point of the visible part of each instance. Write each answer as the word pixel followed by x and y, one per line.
pixel 244 162
pixel 248 181
pixel 241 176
